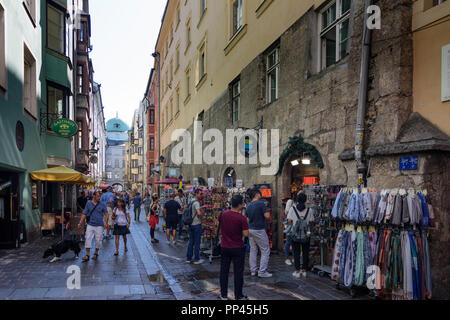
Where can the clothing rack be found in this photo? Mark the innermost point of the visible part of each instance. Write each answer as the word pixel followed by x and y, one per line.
pixel 388 230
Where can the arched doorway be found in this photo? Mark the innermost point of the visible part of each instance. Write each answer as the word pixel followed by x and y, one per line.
pixel 118 187
pixel 229 177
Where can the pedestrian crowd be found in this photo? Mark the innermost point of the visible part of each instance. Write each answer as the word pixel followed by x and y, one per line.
pixel 239 224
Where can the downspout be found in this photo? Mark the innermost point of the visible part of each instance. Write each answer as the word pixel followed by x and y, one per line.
pixel 362 101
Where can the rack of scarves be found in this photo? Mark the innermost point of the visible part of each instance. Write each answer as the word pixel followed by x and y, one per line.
pixel 388 230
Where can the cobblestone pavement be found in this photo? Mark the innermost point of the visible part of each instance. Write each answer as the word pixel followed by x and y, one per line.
pixel 146 271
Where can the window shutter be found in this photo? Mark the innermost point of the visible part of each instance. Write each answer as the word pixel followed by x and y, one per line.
pixel 446 73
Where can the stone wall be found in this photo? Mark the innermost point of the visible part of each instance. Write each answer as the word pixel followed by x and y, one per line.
pixel 321 106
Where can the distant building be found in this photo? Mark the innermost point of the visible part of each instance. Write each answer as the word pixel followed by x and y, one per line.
pixel 116 132
pixel 99 143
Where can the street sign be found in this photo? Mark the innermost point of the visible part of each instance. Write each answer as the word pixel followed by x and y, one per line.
pixel 173 172
pixel 64 127
pixel 408 163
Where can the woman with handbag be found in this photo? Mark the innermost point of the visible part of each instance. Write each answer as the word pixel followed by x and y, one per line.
pixel 121 218
pixel 154 218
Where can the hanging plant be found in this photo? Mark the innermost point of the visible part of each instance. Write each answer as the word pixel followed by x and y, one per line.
pixel 296 147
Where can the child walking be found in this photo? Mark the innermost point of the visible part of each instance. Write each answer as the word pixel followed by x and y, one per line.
pixel 154 219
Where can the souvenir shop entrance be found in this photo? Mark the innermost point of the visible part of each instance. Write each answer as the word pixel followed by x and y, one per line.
pixel 9 210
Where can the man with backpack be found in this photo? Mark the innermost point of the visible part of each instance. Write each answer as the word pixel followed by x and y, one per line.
pixel 191 218
pixel 300 219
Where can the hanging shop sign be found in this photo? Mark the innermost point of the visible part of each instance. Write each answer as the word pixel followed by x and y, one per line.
pixel 195 180
pixel 173 172
pixel 229 182
pixel 266 193
pixel 239 183
pixel 65 127
pixel 210 182
pixel 408 163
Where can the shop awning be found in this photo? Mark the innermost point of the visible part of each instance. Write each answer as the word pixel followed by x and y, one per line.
pixel 169 181
pixel 61 174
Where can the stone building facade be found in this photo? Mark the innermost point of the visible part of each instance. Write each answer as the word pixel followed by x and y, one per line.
pixel 321 107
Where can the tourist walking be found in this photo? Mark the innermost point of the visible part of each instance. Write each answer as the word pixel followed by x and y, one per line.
pixel 148 202
pixel 257 214
pixel 180 198
pixel 107 199
pixel 137 201
pixel 97 215
pixel 121 217
pixel 154 218
pixel 301 218
pixel 195 230
pixel 171 208
pixel 234 227
pixel 127 200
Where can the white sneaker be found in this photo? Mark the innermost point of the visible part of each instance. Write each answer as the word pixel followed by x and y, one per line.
pixel 188 261
pixel 265 275
pixel 55 259
pixel 288 262
pixel 304 274
pixel 174 242
pixel 199 261
pixel 296 274
pixel 168 242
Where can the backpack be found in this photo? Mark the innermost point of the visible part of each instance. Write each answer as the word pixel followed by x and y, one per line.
pixel 187 214
pixel 299 230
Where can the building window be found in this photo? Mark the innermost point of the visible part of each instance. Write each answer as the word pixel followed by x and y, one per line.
pixel 334 34
pixel 2 51
pixel 273 75
pixel 171 71
pixel 30 5
pixel 116 163
pixel 80 138
pixel 178 100
pixel 29 83
pixel 202 61
pixel 178 16
pixel 56 103
pixel 82 31
pixel 177 58
pixel 152 116
pixel 152 144
pixel 188 84
pixel 235 100
pixel 237 15
pixel 55 29
pixel 80 78
pixel 202 7
pixel 188 35
pixel 109 175
pixel 140 151
pixel 140 170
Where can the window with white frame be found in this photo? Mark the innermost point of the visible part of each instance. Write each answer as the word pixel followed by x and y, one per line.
pixel 237 15
pixel 235 100
pixel 177 58
pixel 334 32
pixel 29 83
pixel 30 5
pixel 202 6
pixel 273 75
pixel 188 83
pixel 188 35
pixel 178 16
pixel 80 78
pixel 178 100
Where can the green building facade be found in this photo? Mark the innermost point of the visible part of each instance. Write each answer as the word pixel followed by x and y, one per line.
pixel 36 81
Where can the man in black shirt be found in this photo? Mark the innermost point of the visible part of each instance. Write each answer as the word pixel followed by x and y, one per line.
pixel 171 216
pixel 81 201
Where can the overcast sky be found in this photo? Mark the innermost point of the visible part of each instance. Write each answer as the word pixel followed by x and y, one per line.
pixel 123 36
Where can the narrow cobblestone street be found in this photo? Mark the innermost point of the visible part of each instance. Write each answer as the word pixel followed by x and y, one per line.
pixel 157 272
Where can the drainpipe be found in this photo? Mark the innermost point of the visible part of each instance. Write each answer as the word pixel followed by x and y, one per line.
pixel 362 101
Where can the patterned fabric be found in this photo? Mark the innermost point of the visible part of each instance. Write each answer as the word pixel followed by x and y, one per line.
pixel 415 266
pixel 345 244
pixel 350 260
pixel 337 256
pixel 407 269
pixel 359 265
pixel 337 204
pixel 427 265
pixel 367 254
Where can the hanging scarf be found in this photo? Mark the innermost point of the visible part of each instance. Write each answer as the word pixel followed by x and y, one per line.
pixel 359 265
pixel 405 213
pixel 425 221
pixel 389 207
pixel 427 265
pixel 350 259
pixel 337 255
pixel 367 254
pixel 407 269
pixel 334 212
pixel 414 266
pixel 373 247
pixel 421 267
pixel 397 212
pixel 345 244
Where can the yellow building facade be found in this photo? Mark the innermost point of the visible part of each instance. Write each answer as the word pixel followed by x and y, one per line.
pixel 431 84
pixel 204 45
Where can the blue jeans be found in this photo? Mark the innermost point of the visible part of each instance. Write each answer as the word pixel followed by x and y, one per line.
pixel 287 247
pixel 195 236
pixel 180 222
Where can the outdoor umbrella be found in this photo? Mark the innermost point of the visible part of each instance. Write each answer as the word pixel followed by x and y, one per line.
pixel 64 175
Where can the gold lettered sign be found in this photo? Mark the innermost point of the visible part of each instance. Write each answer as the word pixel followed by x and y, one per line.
pixel 65 127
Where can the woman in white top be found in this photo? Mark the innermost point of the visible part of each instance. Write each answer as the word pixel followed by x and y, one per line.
pixel 297 211
pixel 287 245
pixel 121 218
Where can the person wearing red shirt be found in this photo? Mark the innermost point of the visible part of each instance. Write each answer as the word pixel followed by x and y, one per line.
pixel 234 227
